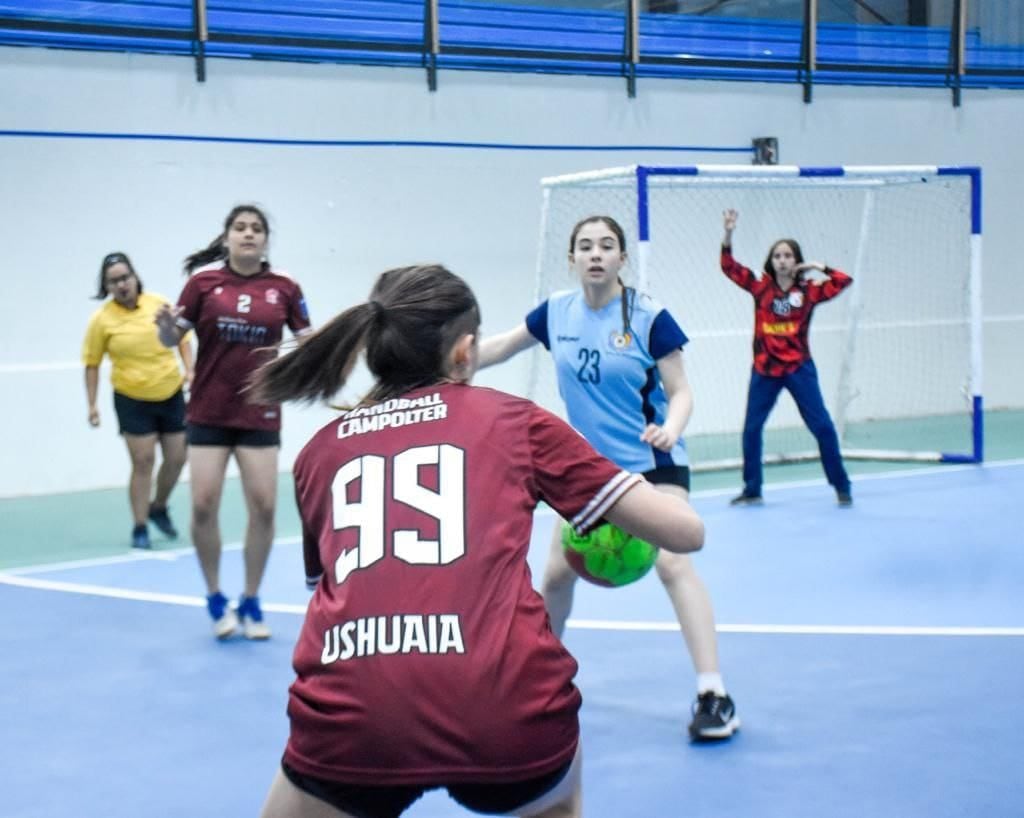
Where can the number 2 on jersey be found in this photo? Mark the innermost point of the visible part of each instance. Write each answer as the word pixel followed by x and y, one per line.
pixel 368 513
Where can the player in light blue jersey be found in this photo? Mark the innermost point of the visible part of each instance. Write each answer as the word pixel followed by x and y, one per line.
pixel 619 363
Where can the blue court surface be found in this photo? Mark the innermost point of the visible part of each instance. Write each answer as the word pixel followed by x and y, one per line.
pixel 876 655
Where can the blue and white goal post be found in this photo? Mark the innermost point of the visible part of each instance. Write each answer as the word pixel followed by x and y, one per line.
pixel 898 353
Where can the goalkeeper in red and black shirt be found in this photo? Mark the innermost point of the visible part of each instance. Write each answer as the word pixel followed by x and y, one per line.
pixel 784 300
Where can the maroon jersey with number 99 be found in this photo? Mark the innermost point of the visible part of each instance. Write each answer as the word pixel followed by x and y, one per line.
pixel 426 654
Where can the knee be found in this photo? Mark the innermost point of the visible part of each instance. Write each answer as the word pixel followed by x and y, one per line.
pixel 674 569
pixel 204 510
pixel 261 511
pixel 142 462
pixel 174 458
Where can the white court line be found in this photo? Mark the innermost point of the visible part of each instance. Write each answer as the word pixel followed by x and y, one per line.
pixel 120 593
pixel 169 555
pixel 582 624
pixel 812 630
pixel 896 474
pixel 923 471
pixel 545 511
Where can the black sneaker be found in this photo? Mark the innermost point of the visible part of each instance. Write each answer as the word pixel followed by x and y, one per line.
pixel 745 499
pixel 160 518
pixel 714 717
pixel 140 537
pixel 844 498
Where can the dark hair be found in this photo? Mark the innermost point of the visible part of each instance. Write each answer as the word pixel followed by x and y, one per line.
pixel 109 260
pixel 407 328
pixel 798 254
pixel 216 250
pixel 628 293
pixel 607 221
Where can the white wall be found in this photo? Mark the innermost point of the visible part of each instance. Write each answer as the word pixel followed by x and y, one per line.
pixel 340 215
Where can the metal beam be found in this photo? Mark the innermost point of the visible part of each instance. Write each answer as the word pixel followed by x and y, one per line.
pixel 431 41
pixel 200 35
pixel 957 49
pixel 809 48
pixel 631 50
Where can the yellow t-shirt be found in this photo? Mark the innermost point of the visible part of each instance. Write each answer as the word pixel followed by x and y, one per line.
pixel 143 368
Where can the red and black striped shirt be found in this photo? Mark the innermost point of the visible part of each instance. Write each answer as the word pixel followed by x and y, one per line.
pixel 782 318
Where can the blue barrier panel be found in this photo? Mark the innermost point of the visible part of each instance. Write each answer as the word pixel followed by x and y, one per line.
pixel 487 36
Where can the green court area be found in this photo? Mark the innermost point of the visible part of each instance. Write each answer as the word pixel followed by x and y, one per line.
pixel 85 525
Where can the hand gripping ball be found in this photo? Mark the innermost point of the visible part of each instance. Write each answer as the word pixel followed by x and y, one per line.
pixel 608 556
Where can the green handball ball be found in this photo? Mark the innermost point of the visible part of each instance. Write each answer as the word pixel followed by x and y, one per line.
pixel 608 556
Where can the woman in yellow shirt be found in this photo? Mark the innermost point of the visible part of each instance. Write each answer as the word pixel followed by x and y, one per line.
pixel 148 389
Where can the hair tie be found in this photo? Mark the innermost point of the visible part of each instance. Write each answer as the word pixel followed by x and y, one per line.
pixel 380 312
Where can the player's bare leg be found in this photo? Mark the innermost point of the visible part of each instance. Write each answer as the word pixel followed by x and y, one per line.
pixel 558 583
pixel 285 800
pixel 142 451
pixel 208 465
pixel 714 712
pixel 690 600
pixel 572 807
pixel 174 452
pixel 565 800
pixel 258 468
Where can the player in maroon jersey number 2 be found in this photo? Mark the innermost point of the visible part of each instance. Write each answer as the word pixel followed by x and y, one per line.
pixel 784 299
pixel 425 659
pixel 238 306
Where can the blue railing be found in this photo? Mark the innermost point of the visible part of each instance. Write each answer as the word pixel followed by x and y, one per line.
pixel 459 34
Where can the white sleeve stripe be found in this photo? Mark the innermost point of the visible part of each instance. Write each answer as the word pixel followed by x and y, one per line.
pixel 603 500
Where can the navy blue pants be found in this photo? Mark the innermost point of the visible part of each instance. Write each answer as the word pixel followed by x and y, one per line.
pixel 803 386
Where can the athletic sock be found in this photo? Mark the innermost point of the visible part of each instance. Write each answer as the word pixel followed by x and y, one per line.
pixel 712 682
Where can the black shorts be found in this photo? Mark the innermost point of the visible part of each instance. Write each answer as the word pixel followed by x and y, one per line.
pixel 670 475
pixel 390 802
pixel 199 435
pixel 150 417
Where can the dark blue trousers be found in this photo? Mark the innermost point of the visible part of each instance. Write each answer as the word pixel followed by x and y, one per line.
pixel 803 386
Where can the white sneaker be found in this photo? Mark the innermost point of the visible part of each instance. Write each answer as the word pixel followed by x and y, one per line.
pixel 226 626
pixel 251 614
pixel 225 620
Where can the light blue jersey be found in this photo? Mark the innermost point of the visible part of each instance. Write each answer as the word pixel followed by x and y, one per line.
pixel 609 379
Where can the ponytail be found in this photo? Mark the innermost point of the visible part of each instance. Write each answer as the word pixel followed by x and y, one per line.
pixel 214 251
pixel 321 363
pixel 407 328
pixel 628 303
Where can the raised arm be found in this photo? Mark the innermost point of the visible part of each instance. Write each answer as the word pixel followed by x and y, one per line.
pixel 499 348
pixel 666 520
pixel 729 218
pixel 735 271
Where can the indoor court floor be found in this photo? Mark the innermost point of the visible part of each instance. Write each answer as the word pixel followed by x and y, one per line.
pixel 876 655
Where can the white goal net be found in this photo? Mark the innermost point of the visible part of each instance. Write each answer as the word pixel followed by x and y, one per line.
pixel 898 353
